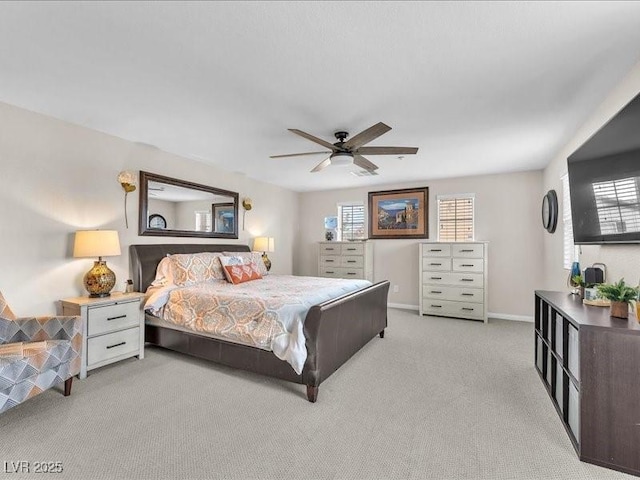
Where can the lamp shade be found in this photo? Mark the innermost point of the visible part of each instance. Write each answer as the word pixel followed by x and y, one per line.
pixel 264 244
pixel 96 243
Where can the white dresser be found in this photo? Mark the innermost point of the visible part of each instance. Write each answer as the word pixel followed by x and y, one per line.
pixel 346 260
pixel 453 280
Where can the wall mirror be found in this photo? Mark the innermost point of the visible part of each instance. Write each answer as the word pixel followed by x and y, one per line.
pixel 178 208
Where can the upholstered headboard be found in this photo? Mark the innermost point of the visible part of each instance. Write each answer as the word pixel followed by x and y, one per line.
pixel 144 259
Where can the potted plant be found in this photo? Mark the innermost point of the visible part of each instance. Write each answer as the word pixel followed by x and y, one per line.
pixel 578 282
pixel 620 295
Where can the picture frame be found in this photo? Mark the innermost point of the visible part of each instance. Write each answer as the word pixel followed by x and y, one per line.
pixel 223 217
pixel 402 213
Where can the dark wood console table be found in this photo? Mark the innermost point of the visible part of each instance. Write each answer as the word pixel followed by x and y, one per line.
pixel 590 366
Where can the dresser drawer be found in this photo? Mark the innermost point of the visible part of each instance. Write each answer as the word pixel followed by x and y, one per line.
pixel 112 345
pixel 351 261
pixel 330 249
pixel 450 278
pixel 436 264
pixel 468 250
pixel 112 317
pixel 453 309
pixel 352 273
pixel 330 260
pixel 331 272
pixel 353 249
pixel 468 265
pixel 436 250
pixel 459 294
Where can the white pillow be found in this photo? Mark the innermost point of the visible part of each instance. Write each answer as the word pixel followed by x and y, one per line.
pixel 163 273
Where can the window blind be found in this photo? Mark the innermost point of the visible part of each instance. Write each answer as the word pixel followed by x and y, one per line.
pixel 618 206
pixel 351 221
pixel 456 218
pixel 570 251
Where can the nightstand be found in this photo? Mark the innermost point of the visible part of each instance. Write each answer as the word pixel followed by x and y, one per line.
pixel 112 328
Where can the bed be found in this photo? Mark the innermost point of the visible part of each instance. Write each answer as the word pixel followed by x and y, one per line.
pixel 334 330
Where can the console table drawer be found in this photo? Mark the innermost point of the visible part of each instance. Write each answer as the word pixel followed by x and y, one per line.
pixel 112 345
pixel 112 317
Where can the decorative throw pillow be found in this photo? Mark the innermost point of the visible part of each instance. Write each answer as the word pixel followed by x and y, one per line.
pixel 255 257
pixel 5 311
pixel 239 270
pixel 164 275
pixel 190 268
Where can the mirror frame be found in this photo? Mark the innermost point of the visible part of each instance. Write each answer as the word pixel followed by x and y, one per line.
pixel 143 227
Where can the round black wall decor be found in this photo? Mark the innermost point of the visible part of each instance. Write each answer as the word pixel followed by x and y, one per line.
pixel 550 211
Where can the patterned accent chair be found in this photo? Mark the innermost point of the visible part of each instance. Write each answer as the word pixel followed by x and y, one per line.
pixel 25 376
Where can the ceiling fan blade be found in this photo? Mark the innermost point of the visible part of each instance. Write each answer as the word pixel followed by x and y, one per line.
pixel 297 154
pixel 317 140
pixel 367 135
pixel 322 165
pixel 362 162
pixel 387 150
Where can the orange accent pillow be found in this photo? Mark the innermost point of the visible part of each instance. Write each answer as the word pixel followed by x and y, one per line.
pixel 238 270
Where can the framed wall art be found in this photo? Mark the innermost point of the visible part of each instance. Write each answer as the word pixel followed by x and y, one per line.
pixel 399 213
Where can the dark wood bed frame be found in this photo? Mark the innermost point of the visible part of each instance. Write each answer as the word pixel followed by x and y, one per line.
pixel 334 330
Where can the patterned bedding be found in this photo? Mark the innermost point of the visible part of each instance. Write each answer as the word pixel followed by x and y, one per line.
pixel 268 313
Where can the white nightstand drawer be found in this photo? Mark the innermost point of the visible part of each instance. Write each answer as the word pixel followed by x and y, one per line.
pixel 436 264
pixel 459 294
pixel 468 265
pixel 112 317
pixel 452 309
pixel 447 278
pixel 468 250
pixel 436 250
pixel 112 345
pixel 351 261
pixel 330 249
pixel 353 249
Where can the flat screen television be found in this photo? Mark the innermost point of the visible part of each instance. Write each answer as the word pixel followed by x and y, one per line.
pixel 604 182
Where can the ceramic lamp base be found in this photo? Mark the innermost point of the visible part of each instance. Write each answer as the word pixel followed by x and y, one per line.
pixel 100 280
pixel 267 262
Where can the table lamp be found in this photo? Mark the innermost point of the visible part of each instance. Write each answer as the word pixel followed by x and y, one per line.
pixel 264 245
pixel 97 243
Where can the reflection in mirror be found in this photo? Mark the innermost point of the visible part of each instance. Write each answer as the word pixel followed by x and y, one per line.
pixel 172 207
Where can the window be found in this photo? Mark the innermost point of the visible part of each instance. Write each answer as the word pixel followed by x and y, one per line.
pixel 570 251
pixel 203 221
pixel 351 221
pixel 455 218
pixel 618 206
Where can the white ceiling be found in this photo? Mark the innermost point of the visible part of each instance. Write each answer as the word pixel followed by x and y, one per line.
pixel 478 87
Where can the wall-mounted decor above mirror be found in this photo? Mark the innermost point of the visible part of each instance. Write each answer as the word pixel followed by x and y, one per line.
pixel 186 209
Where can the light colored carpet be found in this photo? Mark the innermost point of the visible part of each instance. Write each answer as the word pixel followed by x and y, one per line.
pixel 436 399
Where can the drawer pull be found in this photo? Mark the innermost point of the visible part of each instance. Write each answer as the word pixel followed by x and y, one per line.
pixel 467 294
pixel 116 318
pixel 435 250
pixel 329 272
pixel 351 249
pixel 467 279
pixel 467 265
pixel 436 306
pixel 435 264
pixel 468 309
pixel 329 249
pixel 467 251
pixel 116 345
pixel 351 273
pixel 329 261
pixel 436 291
pixel 351 261
pixel 436 278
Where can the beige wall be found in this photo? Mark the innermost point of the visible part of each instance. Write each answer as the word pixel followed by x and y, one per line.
pixel 507 215
pixel 621 260
pixel 58 178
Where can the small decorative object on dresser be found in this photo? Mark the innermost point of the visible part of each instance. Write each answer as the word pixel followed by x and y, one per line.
pixel 328 235
pixel 621 295
pixel 399 213
pixel 453 280
pixel 264 245
pixel 100 280
pixel 346 260
pixel 113 328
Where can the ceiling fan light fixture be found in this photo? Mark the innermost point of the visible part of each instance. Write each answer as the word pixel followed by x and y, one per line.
pixel 342 159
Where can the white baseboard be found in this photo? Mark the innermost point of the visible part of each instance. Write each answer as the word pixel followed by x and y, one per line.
pixel 507 316
pixel 403 306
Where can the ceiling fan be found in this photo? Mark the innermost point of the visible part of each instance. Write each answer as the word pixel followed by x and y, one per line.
pixel 346 152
